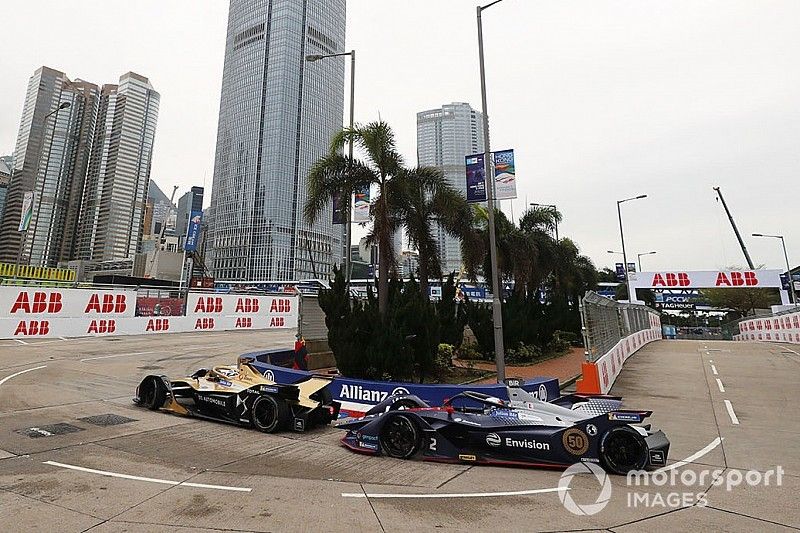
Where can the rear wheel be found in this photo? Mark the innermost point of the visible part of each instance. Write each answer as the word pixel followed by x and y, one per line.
pixel 152 393
pixel 269 414
pixel 400 437
pixel 622 450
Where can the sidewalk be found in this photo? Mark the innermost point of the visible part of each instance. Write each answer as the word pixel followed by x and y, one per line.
pixel 563 367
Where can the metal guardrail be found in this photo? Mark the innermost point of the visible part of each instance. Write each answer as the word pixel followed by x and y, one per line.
pixel 605 322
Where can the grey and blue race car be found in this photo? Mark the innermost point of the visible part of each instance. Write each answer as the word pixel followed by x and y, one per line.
pixel 472 427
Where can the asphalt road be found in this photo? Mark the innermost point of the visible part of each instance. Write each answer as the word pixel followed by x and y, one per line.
pixel 77 455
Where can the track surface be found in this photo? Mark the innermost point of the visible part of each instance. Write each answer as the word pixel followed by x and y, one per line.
pixel 179 473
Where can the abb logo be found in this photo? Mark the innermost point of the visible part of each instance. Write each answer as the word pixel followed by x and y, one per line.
pixel 277 322
pixel 32 327
pixel 157 324
pixel 280 305
pixel 244 322
pixel 209 304
pixel 102 326
pixel 671 279
pixel 204 323
pixel 737 279
pixel 247 305
pixel 41 302
pixel 110 303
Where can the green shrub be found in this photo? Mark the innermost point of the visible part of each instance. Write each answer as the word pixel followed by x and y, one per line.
pixel 522 354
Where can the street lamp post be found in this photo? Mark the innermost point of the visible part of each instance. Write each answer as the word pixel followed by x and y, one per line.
pixel 62 105
pixel 788 267
pixel 631 295
pixel 555 211
pixel 348 233
pixel 497 311
pixel 639 258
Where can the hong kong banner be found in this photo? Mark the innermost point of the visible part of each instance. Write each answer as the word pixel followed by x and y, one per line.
pixel 505 178
pixel 193 231
pixel 361 212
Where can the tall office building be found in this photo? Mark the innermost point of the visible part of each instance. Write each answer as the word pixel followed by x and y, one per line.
pixel 444 137
pixel 191 201
pixel 112 213
pixel 87 163
pixel 5 178
pixel 277 116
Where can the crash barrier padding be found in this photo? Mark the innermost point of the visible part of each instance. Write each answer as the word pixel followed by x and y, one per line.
pixel 27 312
pixel 781 328
pixel 358 396
pixel 599 376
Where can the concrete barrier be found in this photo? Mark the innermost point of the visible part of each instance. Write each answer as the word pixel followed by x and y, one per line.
pixel 358 396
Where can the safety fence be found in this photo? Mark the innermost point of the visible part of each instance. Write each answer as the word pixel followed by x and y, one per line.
pixel 781 327
pixel 39 312
pixel 612 332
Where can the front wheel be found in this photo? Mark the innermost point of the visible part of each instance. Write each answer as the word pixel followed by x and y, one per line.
pixel 400 437
pixel 152 393
pixel 623 450
pixel 269 414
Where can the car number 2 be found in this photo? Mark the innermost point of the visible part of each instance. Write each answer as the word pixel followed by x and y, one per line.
pixel 432 444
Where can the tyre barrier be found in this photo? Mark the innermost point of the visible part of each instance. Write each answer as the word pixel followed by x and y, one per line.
pixel 599 376
pixel 358 396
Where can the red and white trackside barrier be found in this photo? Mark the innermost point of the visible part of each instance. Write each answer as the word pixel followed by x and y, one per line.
pixel 599 376
pixel 781 328
pixel 27 312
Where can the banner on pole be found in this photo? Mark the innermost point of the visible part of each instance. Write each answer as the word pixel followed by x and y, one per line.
pixel 27 211
pixel 193 231
pixel 361 212
pixel 505 178
pixel 340 206
pixel 476 178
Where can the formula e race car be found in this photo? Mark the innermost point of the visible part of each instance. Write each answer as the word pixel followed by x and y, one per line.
pixel 472 427
pixel 239 394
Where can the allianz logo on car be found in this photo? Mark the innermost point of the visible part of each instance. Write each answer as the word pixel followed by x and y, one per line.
pixel 493 439
pixel 357 392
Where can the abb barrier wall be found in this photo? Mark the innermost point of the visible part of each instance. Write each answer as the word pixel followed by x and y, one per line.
pixel 27 312
pixel 779 328
pixel 358 396
pixel 613 332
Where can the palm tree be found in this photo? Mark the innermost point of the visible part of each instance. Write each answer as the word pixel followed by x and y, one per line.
pixel 336 174
pixel 421 197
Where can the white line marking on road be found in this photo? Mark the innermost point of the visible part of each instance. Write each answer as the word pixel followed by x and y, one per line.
pixel 785 348
pixel 115 355
pixel 21 341
pixel 149 479
pixel 729 407
pixel 43 432
pixel 719 384
pixel 20 372
pixel 452 495
pixel 694 457
pixel 714 370
pixel 710 360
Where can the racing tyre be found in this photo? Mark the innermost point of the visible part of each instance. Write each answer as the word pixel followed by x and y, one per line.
pixel 400 437
pixel 152 393
pixel 269 414
pixel 622 450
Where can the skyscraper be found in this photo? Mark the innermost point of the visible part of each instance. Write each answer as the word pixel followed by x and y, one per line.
pixel 444 137
pixel 276 118
pixel 87 163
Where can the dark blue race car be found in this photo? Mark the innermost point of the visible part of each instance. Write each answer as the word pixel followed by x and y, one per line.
pixel 472 427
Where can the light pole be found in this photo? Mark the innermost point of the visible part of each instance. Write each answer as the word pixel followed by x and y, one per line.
pixel 555 214
pixel 639 258
pixel 788 268
pixel 631 295
pixel 497 310
pixel 348 234
pixel 62 105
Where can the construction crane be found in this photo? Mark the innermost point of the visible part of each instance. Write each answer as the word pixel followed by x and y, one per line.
pixel 160 243
pixel 735 229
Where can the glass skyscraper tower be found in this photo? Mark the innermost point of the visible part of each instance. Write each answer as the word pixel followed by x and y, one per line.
pixel 444 137
pixel 277 116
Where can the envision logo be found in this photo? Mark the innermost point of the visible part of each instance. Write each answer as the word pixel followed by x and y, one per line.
pixel 493 439
pixel 529 444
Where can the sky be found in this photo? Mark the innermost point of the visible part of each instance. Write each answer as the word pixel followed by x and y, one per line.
pixel 601 100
